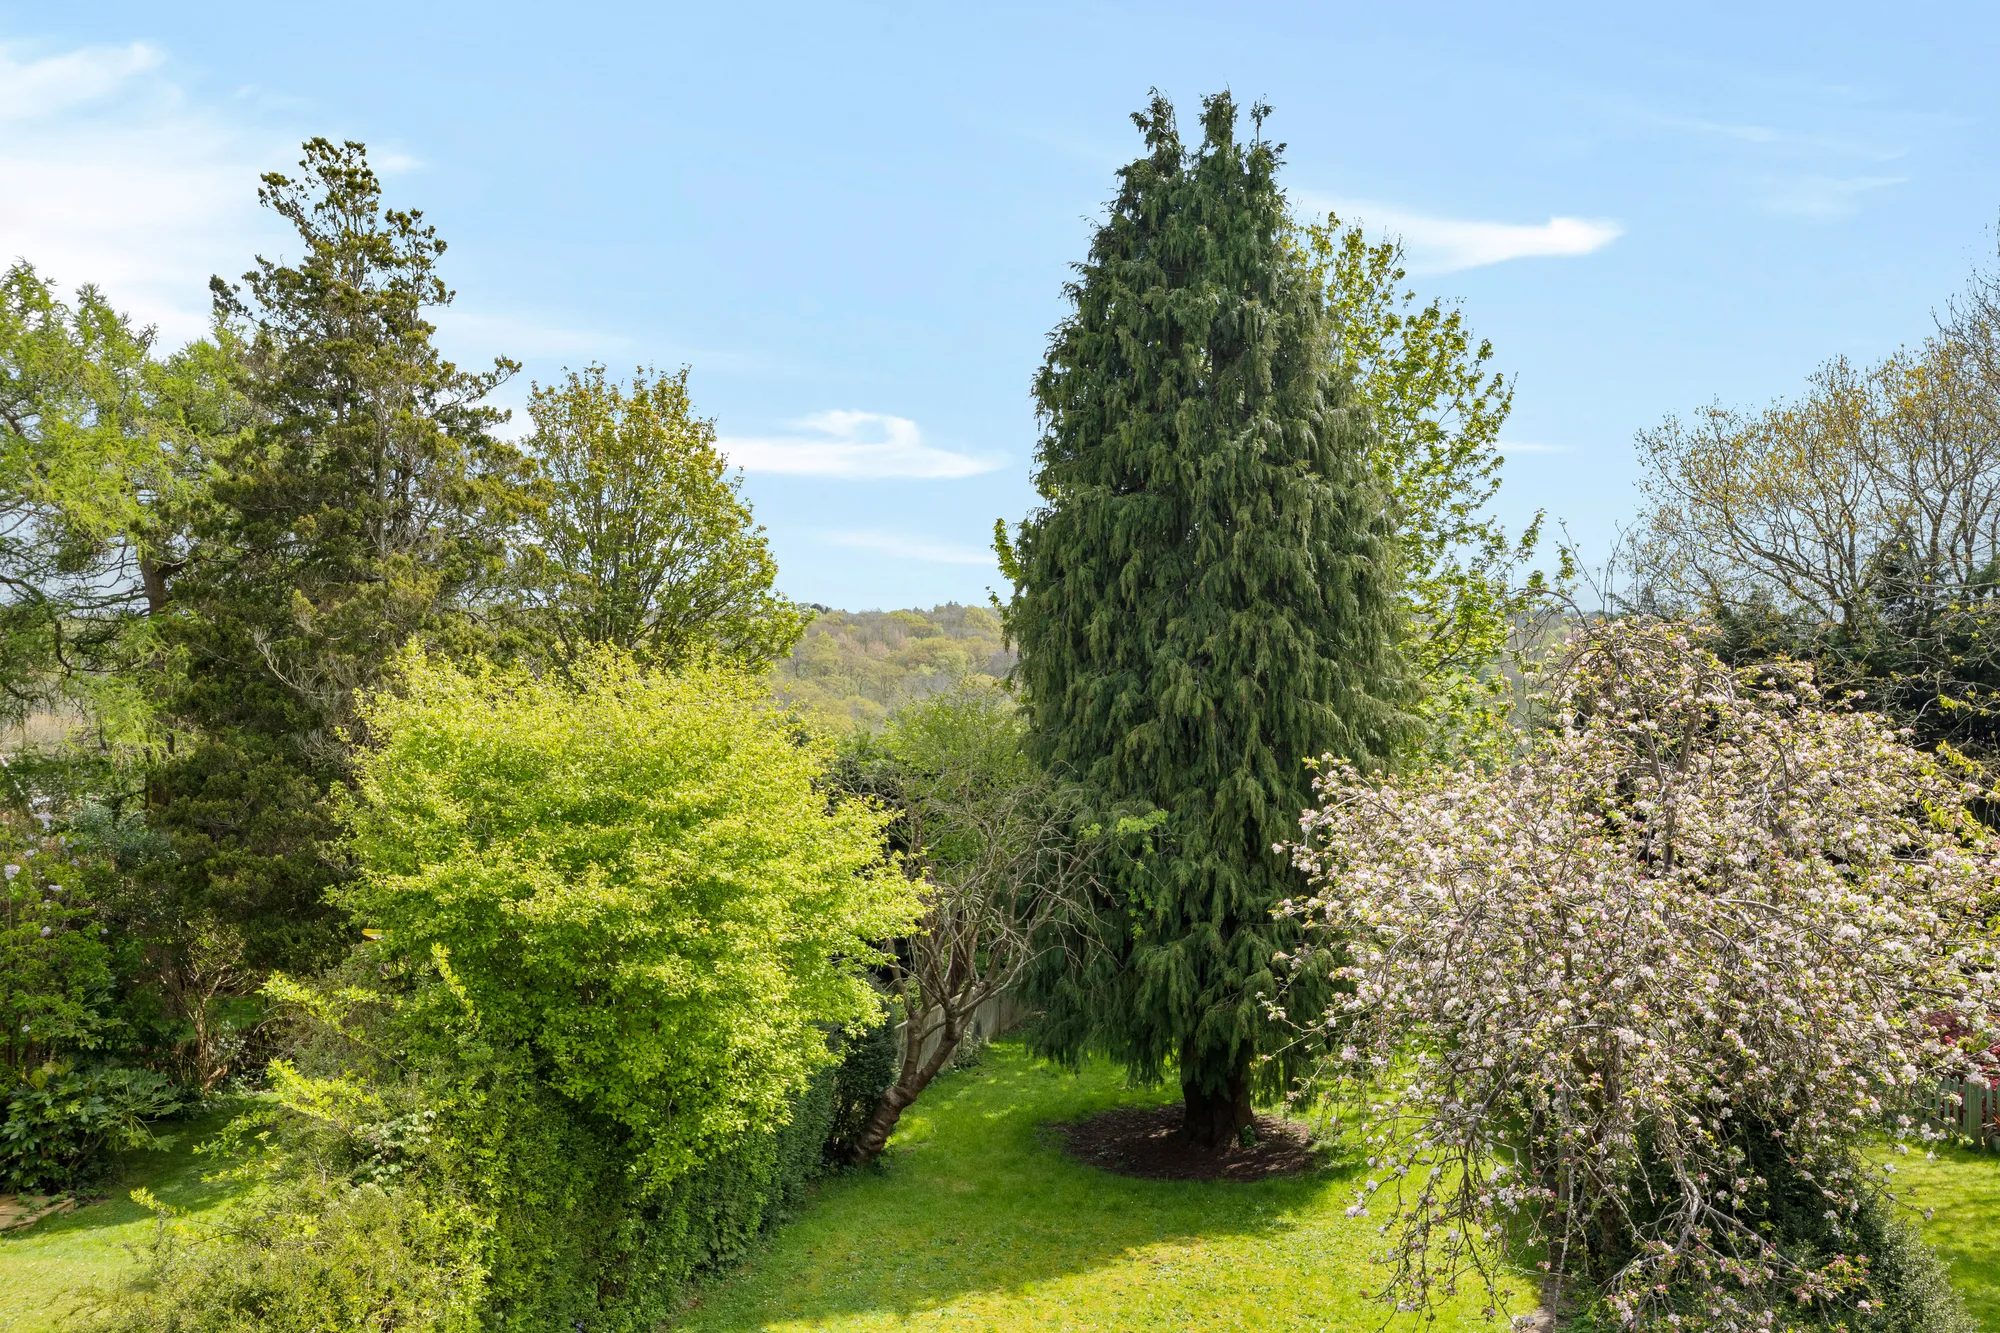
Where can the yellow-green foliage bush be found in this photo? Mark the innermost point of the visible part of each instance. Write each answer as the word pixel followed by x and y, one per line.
pixel 634 877
pixel 588 1055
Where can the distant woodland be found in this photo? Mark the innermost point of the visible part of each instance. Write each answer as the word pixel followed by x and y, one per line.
pixel 854 668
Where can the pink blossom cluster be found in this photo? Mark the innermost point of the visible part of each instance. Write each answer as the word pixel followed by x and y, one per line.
pixel 1702 899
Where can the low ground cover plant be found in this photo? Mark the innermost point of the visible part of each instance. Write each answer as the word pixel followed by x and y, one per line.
pixel 1648 990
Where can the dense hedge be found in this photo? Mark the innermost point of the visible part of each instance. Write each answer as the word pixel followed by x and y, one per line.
pixel 577 1243
pixel 542 1227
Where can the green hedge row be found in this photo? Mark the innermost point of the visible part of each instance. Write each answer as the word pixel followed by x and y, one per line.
pixel 513 1210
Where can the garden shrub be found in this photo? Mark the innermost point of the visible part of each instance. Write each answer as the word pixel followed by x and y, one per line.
pixel 633 877
pixel 55 973
pixel 868 1064
pixel 510 1209
pixel 308 1255
pixel 575 1239
pixel 1880 1257
pixel 1707 912
pixel 588 1055
pixel 58 1125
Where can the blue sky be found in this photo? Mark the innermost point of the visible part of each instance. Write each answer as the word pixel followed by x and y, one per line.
pixel 854 222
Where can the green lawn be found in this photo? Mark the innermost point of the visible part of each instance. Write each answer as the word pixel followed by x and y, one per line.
pixel 42 1266
pixel 1963 1188
pixel 977 1221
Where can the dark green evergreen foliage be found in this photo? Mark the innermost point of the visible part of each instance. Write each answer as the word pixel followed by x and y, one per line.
pixel 1924 653
pixel 367 503
pixel 576 1239
pixel 868 1063
pixel 1205 599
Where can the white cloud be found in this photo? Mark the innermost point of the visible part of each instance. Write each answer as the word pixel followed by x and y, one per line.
pixel 1445 245
pixel 109 176
pixel 906 547
pixel 1524 447
pixel 864 445
pixel 75 78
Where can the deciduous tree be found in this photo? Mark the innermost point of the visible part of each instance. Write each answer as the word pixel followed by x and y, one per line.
pixel 997 852
pixel 643 538
pixel 1651 983
pixel 1437 406
pixel 1857 524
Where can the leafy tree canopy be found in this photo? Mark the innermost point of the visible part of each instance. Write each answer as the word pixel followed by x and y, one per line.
pixel 644 539
pixel 1437 407
pixel 635 876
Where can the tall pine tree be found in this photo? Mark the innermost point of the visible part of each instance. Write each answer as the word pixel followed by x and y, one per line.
pixel 1205 600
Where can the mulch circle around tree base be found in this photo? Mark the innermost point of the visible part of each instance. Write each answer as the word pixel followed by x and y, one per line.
pixel 1146 1141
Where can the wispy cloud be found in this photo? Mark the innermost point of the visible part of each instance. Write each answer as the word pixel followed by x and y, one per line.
pixel 906 547
pixel 109 175
pixel 860 445
pixel 1446 245
pixel 1773 136
pixel 35 88
pixel 1527 447
pixel 1812 196
pixel 1823 165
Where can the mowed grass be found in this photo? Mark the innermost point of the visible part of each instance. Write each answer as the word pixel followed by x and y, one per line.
pixel 44 1266
pixel 1962 1187
pixel 977 1220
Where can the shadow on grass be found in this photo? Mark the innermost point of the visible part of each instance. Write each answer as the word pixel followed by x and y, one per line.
pixel 173 1172
pixel 976 1196
pixel 43 1267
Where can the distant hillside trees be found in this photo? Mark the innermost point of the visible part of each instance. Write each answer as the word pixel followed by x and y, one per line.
pixel 855 668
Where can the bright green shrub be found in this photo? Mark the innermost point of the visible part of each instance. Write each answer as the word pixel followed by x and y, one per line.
pixel 635 879
pixel 510 1208
pixel 581 1243
pixel 589 1054
pixel 306 1256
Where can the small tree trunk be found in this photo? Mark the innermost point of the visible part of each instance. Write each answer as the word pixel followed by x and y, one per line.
pixel 910 1083
pixel 1215 1120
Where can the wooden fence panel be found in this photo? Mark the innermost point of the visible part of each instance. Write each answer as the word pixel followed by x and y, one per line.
pixel 1976 1115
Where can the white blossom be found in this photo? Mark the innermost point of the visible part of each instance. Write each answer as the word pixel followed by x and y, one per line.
pixel 1701 900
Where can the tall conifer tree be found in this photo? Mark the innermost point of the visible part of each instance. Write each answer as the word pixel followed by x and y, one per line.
pixel 1204 599
pixel 368 502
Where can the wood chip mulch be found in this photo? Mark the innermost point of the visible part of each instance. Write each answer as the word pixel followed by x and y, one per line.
pixel 1146 1141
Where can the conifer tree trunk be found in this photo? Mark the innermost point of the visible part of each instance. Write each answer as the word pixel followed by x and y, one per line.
pixel 1204 602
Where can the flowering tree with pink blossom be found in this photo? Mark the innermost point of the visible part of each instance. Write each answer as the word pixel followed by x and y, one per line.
pixel 1598 1001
